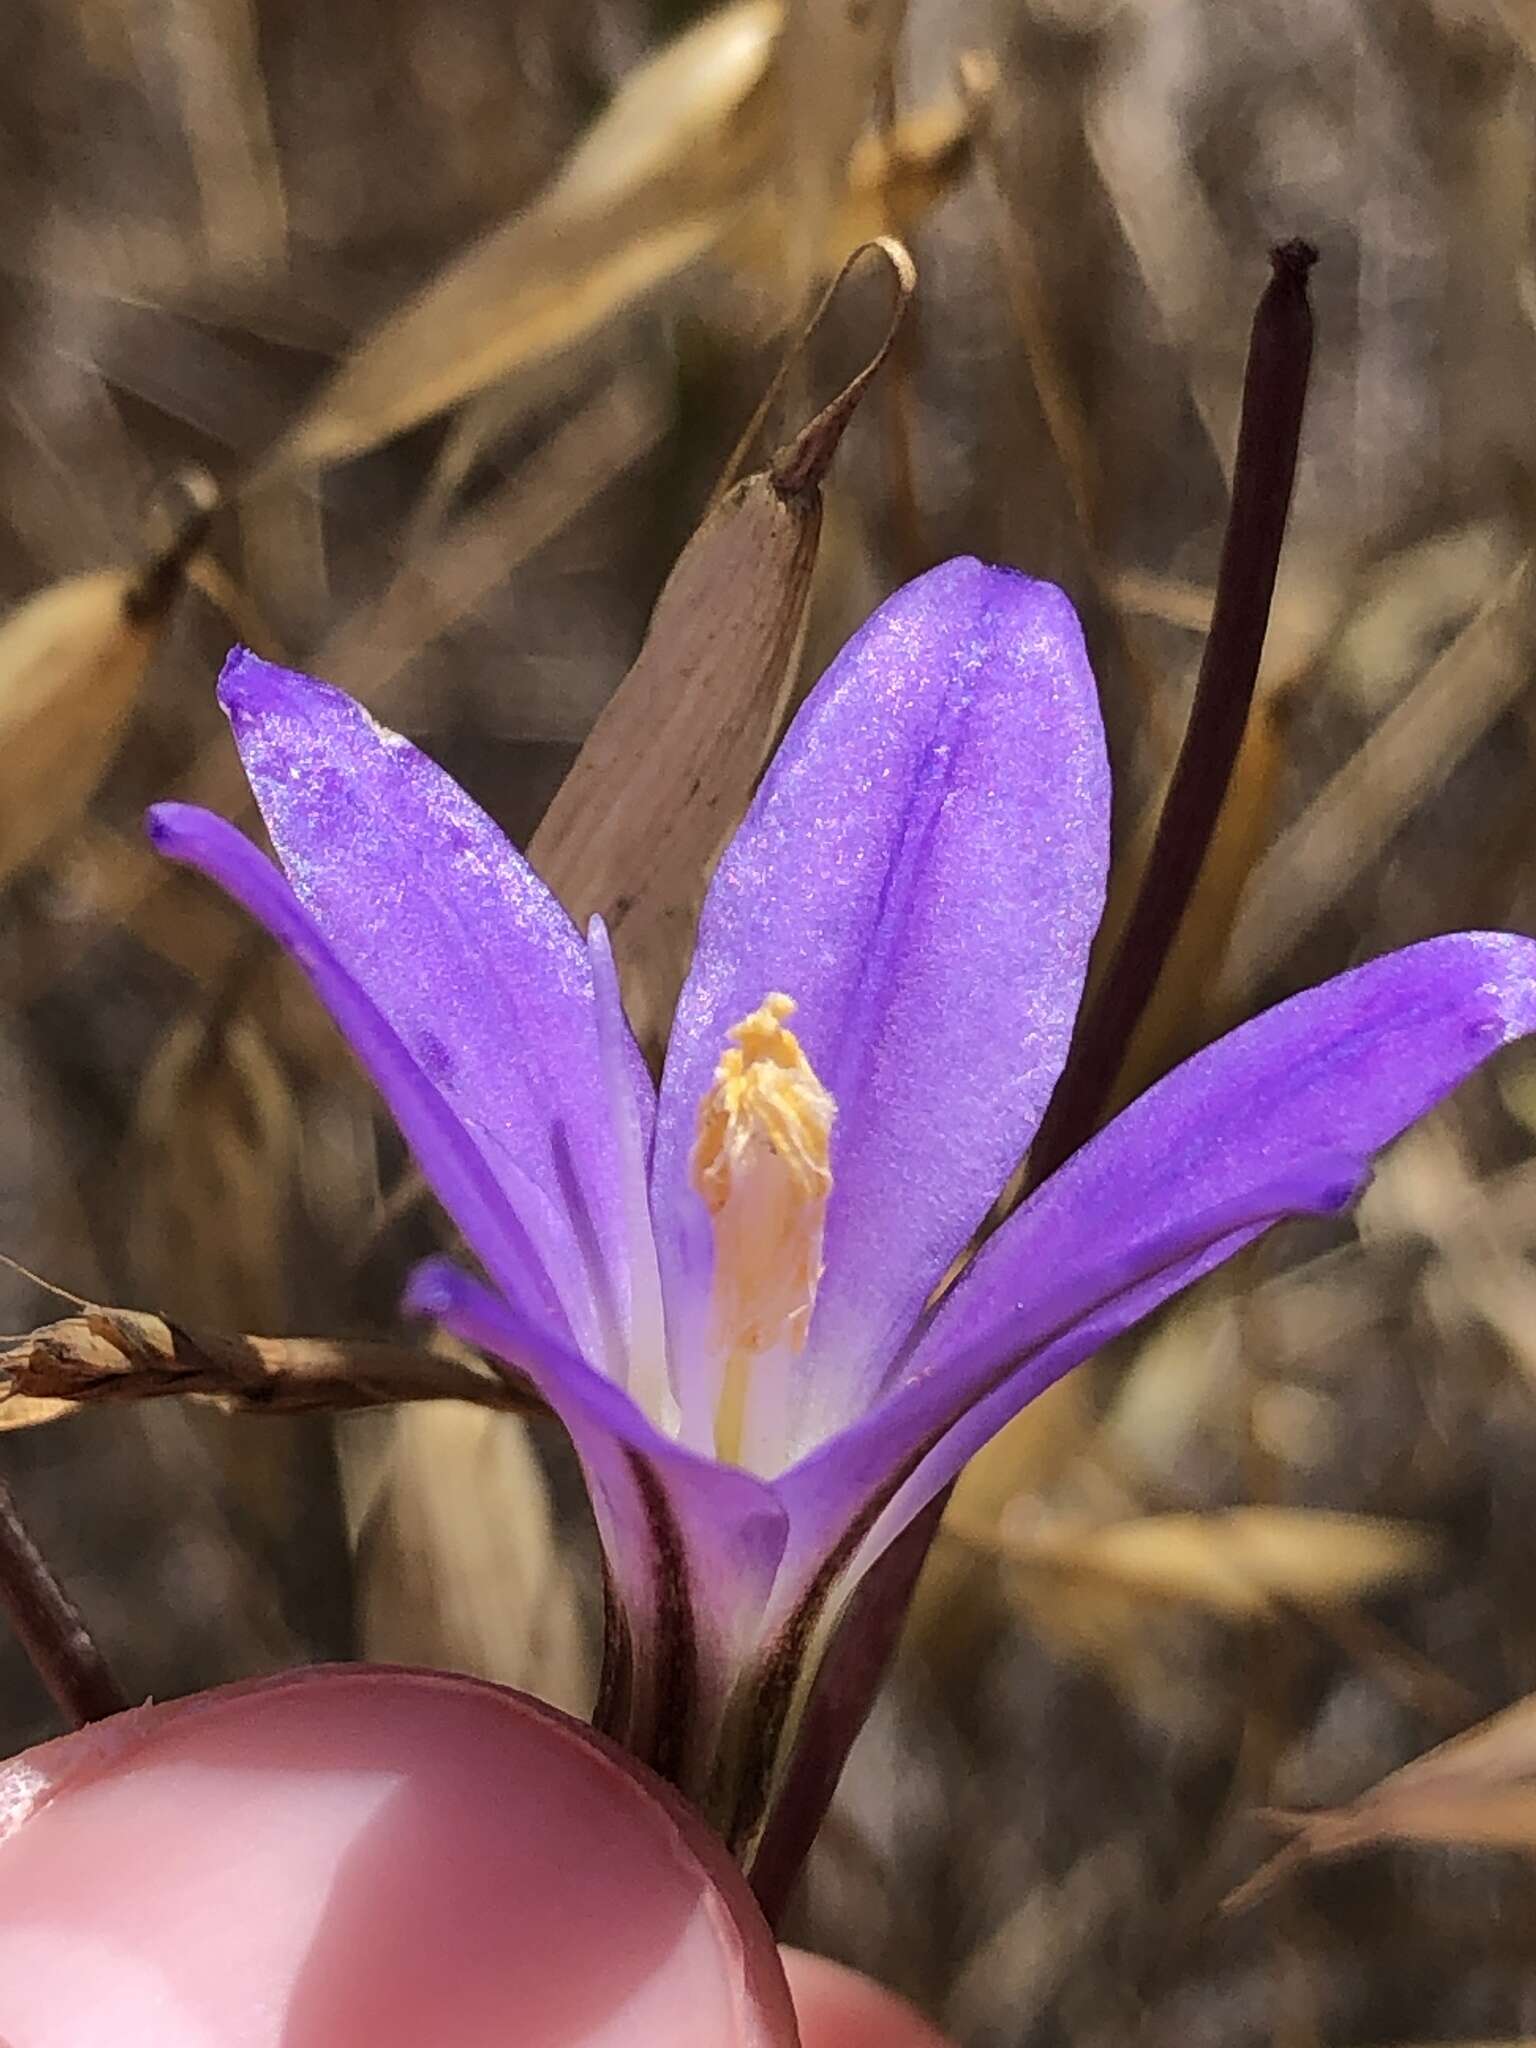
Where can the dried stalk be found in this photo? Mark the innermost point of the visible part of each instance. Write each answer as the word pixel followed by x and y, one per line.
pixel 49 1626
pixel 111 1354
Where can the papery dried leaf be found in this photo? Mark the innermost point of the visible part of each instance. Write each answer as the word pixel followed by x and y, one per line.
pixel 650 188
pixel 665 774
pixel 1240 1563
pixel 468 1575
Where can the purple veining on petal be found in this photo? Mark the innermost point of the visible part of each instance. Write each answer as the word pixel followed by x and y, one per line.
pixel 922 871
pixel 431 911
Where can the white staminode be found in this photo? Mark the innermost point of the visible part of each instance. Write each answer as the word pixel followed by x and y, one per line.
pixel 761 1164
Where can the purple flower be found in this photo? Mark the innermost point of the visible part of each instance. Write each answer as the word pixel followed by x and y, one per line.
pixel 727 1288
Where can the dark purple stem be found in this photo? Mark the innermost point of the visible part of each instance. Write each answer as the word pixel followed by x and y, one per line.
pixel 49 1628
pixel 1274 394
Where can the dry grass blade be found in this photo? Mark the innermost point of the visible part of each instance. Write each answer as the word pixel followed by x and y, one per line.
pixel 651 188
pixel 1179 1015
pixel 1476 1791
pixel 1140 148
pixel 442 583
pixel 468 1576
pixel 210 1161
pixel 1240 1563
pixel 667 770
pixel 1060 407
pixel 892 179
pixel 116 1354
pixel 830 61
pixel 671 107
pixel 373 647
pixel 72 659
pixel 509 305
pixel 214 47
pixel 1407 757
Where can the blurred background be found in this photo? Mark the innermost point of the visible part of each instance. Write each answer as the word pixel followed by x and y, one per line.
pixel 1267 1551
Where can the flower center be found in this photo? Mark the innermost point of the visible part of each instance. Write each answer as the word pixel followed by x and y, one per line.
pixel 761 1164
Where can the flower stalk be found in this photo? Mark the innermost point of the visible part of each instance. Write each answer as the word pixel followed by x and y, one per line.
pixel 1263 474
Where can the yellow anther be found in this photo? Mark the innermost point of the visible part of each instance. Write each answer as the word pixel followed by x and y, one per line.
pixel 761 1165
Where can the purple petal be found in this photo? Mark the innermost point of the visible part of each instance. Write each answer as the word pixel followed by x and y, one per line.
pixel 853 1496
pixel 1278 1117
pixel 442 922
pixel 922 871
pixel 691 1545
pixel 495 1226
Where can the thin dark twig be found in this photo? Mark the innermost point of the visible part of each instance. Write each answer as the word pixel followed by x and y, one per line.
pixel 1274 393
pixel 159 581
pixel 49 1626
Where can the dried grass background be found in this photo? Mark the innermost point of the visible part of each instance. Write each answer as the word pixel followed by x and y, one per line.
pixel 204 208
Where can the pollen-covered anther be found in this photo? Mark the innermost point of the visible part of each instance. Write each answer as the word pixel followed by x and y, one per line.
pixel 761 1163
